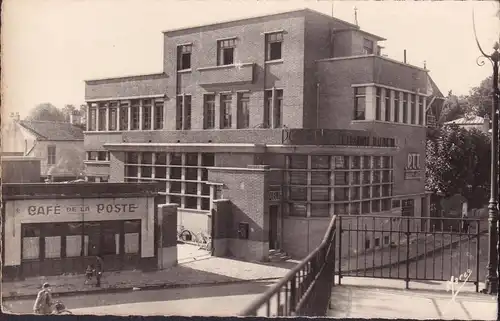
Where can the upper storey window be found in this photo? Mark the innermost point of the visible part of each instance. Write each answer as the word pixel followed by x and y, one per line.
pixel 367 46
pixel 359 103
pixel 274 46
pixel 226 52
pixel 184 57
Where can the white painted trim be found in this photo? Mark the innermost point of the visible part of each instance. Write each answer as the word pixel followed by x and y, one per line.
pixel 178 145
pixel 185 44
pixel 273 62
pixel 125 98
pixel 244 64
pixel 226 38
pixel 272 31
pixel 388 87
pixel 185 71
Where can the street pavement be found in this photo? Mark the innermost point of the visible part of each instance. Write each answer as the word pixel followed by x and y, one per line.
pixel 214 300
pixel 387 299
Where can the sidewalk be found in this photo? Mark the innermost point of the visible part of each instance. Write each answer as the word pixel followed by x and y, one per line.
pixel 202 271
pixel 388 256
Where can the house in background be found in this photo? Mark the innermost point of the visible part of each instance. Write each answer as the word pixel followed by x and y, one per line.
pixel 59 145
pixel 472 121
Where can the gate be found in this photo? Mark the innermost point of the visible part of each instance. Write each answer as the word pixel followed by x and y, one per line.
pixel 409 248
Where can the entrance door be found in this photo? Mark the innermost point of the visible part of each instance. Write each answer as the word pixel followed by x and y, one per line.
pixel 273 227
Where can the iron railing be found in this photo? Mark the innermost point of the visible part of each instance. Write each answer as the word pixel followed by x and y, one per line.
pixel 306 289
pixel 408 248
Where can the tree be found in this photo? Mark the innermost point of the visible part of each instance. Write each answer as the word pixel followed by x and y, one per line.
pixel 458 162
pixel 67 111
pixel 453 107
pixel 46 112
pixel 480 99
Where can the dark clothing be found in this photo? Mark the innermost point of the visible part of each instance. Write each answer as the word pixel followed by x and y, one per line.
pixel 43 303
pixel 99 266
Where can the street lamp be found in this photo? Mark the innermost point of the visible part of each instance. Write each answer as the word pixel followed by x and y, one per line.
pixel 493 268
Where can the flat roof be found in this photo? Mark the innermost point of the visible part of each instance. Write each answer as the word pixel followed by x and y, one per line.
pixel 270 16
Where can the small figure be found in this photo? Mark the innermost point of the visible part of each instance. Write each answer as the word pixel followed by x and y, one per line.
pixel 89 273
pixel 98 270
pixel 60 308
pixel 43 303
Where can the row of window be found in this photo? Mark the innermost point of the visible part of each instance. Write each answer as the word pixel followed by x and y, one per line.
pixel 324 209
pixel 339 162
pixel 226 51
pixel 98 156
pixel 273 109
pixel 392 100
pixel 135 114
pixel 59 240
pixel 185 175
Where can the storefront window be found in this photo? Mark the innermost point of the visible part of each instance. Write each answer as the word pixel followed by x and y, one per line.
pixel 132 230
pixel 52 247
pixel 31 242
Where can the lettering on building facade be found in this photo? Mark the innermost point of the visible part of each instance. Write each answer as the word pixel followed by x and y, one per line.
pixel 102 208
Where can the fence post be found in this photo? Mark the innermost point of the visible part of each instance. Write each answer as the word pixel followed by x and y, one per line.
pixel 339 237
pixel 408 253
pixel 478 248
pixel 293 294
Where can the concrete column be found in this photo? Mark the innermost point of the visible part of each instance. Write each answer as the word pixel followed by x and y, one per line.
pixel 118 114
pixel 198 187
pixel 141 125
pixel 183 111
pixel 401 106
pixel 129 115
pixel 167 235
pixel 107 117
pixel 271 112
pixel 370 103
pixel 87 123
pixel 97 118
pixel 183 178
pixel 218 111
pixel 383 92
pixel 234 111
pixel 169 159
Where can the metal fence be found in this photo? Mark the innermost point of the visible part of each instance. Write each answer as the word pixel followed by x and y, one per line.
pixel 306 289
pixel 408 248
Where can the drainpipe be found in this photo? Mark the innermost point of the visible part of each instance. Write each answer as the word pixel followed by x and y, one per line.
pixel 317 105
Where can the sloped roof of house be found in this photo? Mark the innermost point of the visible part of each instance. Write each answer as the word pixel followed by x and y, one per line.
pixel 49 130
pixel 473 120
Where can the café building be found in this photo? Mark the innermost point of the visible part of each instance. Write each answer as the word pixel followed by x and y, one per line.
pixel 53 229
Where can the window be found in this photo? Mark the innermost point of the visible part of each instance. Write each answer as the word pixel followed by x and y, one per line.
pixel 274 43
pixel 367 244
pixel 278 107
pixel 268 105
pixel 405 108
pixel 158 115
pixel 92 119
pixel 146 114
pixel 184 57
pixel 386 239
pixel 359 103
pixel 413 109
pixel 420 110
pixel 225 117
pixel 387 105
pixel 102 119
pixel 31 241
pixel 209 112
pixel 124 115
pixel 413 161
pixel 243 120
pixel 396 106
pixel 113 107
pixel 51 155
pixel 378 104
pixel 377 242
pixel 226 52
pixel 367 47
pixel 134 112
pixel 183 112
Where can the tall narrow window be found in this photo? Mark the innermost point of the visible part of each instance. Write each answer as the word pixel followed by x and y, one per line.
pixel 187 112
pixel 226 51
pixel 420 110
pixel 102 117
pixel 92 118
pixel 367 47
pixel 146 114
pixel 378 104
pixel 113 107
pixel 396 106
pixel 405 108
pixel 184 57
pixel 158 114
pixel 243 120
pixel 209 112
pixel 274 43
pixel 51 155
pixel 387 105
pixel 268 105
pixel 178 113
pixel 124 115
pixel 413 109
pixel 134 113
pixel 225 109
pixel 359 103
pixel 278 108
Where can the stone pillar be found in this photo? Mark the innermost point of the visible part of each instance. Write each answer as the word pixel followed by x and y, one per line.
pixel 222 225
pixel 167 235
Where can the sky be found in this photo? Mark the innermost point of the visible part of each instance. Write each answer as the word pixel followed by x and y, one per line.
pixel 50 47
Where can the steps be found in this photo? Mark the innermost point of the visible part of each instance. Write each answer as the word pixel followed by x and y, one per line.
pixel 278 256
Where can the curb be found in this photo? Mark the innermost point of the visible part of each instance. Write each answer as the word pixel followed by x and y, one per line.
pixel 411 259
pixel 162 286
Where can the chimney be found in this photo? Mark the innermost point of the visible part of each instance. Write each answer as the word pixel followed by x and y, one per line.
pixel 75 118
pixel 404 57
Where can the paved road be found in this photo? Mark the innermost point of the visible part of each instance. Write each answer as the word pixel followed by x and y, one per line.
pixel 442 266
pixel 223 300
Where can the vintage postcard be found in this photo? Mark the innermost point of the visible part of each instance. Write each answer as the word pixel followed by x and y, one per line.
pixel 250 158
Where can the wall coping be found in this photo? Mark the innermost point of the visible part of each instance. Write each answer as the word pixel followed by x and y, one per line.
pixel 237 169
pixel 175 205
pixel 372 56
pixel 19 158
